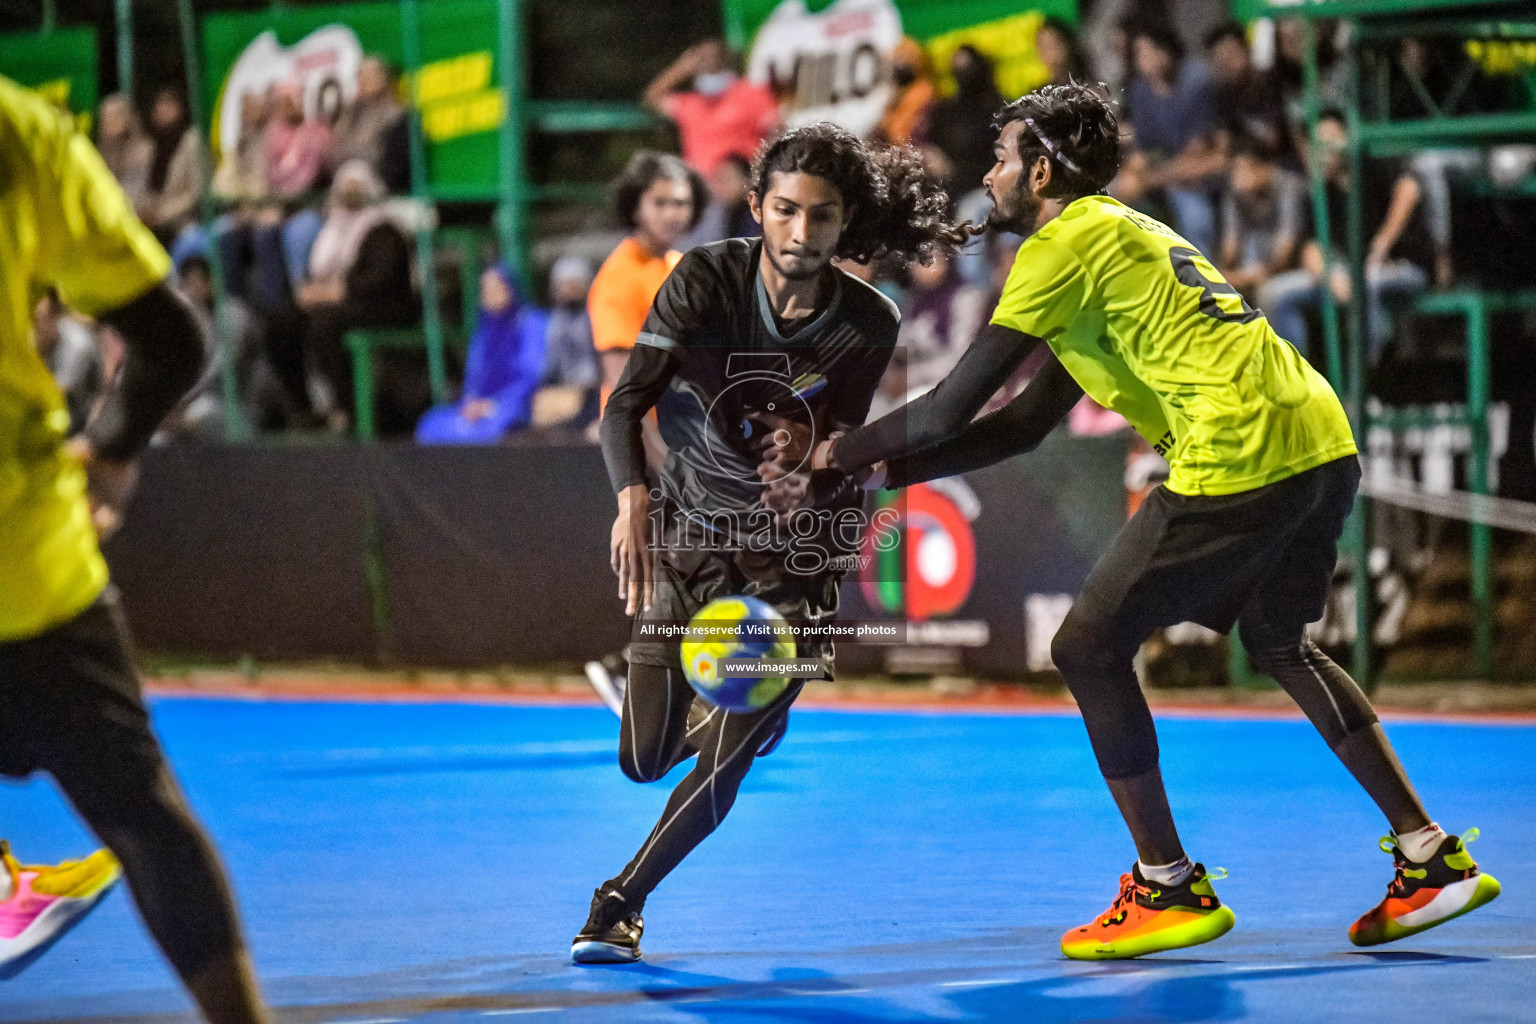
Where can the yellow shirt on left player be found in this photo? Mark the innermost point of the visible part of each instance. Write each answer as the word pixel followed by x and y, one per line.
pixel 63 222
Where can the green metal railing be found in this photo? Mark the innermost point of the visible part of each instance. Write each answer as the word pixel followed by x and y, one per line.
pixel 1373 26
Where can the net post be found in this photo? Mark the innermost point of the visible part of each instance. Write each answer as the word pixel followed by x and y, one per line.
pixel 426 259
pixel 235 427
pixel 124 18
pixel 1477 478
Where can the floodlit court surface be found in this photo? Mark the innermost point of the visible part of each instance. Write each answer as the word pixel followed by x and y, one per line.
pixel 431 861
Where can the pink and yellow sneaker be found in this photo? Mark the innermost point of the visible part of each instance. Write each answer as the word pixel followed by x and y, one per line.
pixel 47 901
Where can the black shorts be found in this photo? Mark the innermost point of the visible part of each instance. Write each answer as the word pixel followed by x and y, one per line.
pixel 71 703
pixel 688 577
pixel 1267 555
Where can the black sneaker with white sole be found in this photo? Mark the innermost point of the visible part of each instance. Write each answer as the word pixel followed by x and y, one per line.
pixel 612 931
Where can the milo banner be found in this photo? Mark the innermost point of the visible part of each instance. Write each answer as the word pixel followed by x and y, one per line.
pixel 61 65
pixel 320 48
pixel 831 57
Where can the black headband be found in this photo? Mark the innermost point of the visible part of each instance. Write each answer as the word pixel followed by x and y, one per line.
pixel 1051 147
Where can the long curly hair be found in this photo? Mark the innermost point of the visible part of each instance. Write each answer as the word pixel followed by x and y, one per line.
pixel 898 208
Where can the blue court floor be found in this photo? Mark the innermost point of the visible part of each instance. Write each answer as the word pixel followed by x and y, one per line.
pixel 431 863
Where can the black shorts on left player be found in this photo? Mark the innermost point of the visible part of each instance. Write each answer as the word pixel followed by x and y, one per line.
pixel 662 724
pixel 71 705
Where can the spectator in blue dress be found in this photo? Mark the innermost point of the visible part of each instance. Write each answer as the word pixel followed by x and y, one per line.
pixel 1175 121
pixel 506 360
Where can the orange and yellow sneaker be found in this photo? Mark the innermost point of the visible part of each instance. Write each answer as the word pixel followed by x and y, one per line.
pixel 1149 918
pixel 1421 896
pixel 47 901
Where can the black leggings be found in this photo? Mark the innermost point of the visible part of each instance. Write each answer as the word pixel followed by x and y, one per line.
pixel 70 705
pixel 1265 557
pixel 656 735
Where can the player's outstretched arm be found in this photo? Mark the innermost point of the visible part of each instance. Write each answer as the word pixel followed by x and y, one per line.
pixel 1016 428
pixel 939 414
pixel 163 357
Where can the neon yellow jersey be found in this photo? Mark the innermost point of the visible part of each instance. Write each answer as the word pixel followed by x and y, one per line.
pixel 63 222
pixel 1149 329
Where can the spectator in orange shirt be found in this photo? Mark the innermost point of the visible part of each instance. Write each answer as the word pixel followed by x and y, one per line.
pixel 659 199
pixel 721 114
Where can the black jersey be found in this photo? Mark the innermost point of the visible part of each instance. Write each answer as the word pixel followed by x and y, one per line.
pixel 711 354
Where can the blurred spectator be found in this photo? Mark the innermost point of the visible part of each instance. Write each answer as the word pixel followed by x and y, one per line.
pixel 569 379
pixel 242 174
pixel 359 276
pixel 70 348
pixel 960 126
pixel 297 147
pixel 124 146
pixel 912 93
pixel 1249 102
pixel 175 169
pixel 203 409
pixel 506 355
pixel 1174 121
pixel 940 315
pixel 364 124
pixel 729 214
pixel 659 199
pixel 1057 47
pixel 1263 217
pixel 1397 261
pixel 722 113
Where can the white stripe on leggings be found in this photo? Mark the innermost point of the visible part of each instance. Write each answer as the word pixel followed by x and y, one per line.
pixel 650 843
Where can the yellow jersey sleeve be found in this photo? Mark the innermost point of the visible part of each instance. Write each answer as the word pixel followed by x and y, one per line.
pixel 92 246
pixel 1046 289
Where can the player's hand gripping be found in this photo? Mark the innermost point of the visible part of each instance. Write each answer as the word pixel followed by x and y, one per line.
pixel 109 484
pixel 629 550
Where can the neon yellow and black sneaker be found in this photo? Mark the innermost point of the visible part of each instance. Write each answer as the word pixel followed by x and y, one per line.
pixel 1421 896
pixel 1149 918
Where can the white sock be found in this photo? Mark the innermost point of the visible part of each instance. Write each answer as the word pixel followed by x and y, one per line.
pixel 1167 874
pixel 1420 845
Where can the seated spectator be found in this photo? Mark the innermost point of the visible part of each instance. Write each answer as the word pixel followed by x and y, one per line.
pixel 71 349
pixel 570 360
pixel 359 276
pixel 362 127
pixel 125 148
pixel 960 126
pixel 1057 47
pixel 506 356
pixel 175 170
pixel 202 411
pixel 720 114
pixel 1174 121
pixel 240 181
pixel 1397 261
pixel 912 94
pixel 1263 217
pixel 241 176
pixel 1249 103
pixel 729 214
pixel 940 315
pixel 297 147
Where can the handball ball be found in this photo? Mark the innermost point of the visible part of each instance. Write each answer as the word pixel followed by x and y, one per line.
pixel 736 627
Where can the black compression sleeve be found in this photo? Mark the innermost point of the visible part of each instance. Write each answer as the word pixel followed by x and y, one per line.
pixel 929 419
pixel 1016 428
pixel 163 357
pixel 646 376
